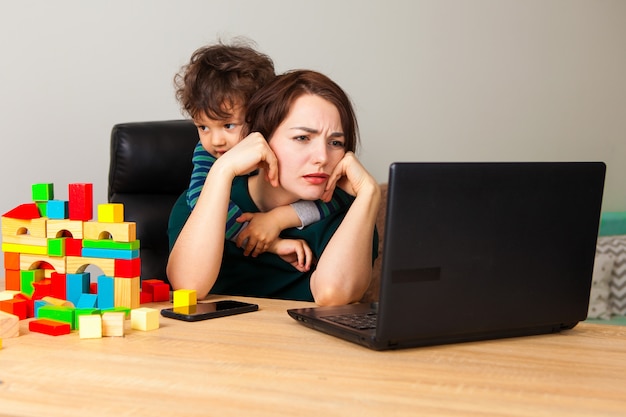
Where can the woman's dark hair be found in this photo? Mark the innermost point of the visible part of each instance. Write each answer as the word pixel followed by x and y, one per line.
pixel 270 105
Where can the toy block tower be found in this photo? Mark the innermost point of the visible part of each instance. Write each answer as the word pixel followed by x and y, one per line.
pixel 49 243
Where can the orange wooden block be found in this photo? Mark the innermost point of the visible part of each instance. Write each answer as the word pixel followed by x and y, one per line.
pixel 12 279
pixel 16 306
pixel 51 327
pixel 11 260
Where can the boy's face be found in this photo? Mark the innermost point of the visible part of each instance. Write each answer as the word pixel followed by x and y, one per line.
pixel 219 136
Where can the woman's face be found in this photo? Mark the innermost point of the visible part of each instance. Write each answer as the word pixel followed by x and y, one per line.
pixel 308 144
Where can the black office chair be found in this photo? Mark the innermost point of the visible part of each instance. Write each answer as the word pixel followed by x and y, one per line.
pixel 150 167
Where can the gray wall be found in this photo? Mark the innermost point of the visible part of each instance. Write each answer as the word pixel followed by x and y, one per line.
pixel 432 80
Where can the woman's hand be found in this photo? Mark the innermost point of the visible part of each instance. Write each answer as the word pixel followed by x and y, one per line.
pixel 251 153
pixel 293 251
pixel 350 176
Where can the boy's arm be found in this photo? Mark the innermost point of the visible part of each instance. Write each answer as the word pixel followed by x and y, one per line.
pixel 310 212
pixel 260 230
pixel 202 164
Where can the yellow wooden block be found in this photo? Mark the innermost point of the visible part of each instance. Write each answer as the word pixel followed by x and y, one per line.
pixel 57 227
pixel 57 301
pixel 27 249
pixel 113 323
pixel 126 292
pixel 185 298
pixel 33 227
pixel 28 261
pixel 111 213
pixel 9 325
pixel 144 318
pixel 119 232
pixel 78 264
pixel 90 326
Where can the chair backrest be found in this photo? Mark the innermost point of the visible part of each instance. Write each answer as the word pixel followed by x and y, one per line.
pixel 150 167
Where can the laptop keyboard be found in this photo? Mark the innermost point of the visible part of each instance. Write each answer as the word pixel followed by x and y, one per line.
pixel 360 321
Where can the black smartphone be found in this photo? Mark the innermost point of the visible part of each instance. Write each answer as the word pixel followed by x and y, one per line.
pixel 204 311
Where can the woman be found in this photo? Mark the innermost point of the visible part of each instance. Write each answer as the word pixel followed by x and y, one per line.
pixel 311 134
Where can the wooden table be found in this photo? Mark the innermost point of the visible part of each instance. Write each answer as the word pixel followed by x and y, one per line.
pixel 266 364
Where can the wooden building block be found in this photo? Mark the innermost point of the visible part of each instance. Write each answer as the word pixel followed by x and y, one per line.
pixel 34 227
pixel 24 211
pixel 110 244
pixel 64 228
pixel 27 249
pixel 127 292
pixel 29 302
pixel 56 246
pixel 82 312
pixel 111 213
pixel 158 288
pixel 16 306
pixel 12 279
pixel 8 295
pixel 106 292
pixel 58 285
pixel 27 278
pixel 74 264
pixel 42 191
pixel 73 247
pixel 81 201
pixel 9 325
pixel 58 302
pixel 87 301
pixel 76 285
pixel 11 260
pixel 119 232
pixel 42 288
pixel 50 327
pixel 110 253
pixel 90 326
pixel 127 268
pixel 145 297
pixel 29 261
pixel 57 209
pixel 58 313
pixel 184 297
pixel 24 239
pixel 144 318
pixel 113 323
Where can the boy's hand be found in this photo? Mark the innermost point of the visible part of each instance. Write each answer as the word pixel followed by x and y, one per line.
pixel 261 231
pixel 295 252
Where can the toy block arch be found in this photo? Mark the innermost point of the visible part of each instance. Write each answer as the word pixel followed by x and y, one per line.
pixel 119 232
pixel 78 265
pixel 31 227
pixel 64 228
pixel 28 262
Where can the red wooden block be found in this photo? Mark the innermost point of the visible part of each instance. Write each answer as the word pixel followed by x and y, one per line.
pixel 51 327
pixel 127 268
pixel 145 297
pixel 16 306
pixel 161 292
pixel 26 211
pixel 12 280
pixel 42 288
pixel 12 260
pixel 73 247
pixel 81 201
pixel 28 302
pixel 58 286
pixel 93 288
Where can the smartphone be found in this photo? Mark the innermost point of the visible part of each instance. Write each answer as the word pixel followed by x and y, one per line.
pixel 204 311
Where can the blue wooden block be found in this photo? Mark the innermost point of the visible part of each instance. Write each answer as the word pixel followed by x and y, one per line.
pixel 76 285
pixel 57 209
pixel 87 301
pixel 110 253
pixel 106 292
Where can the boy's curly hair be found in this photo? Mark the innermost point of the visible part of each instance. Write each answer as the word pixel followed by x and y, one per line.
pixel 221 76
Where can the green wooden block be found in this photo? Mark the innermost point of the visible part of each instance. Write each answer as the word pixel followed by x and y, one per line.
pixel 124 310
pixel 43 208
pixel 27 277
pixel 110 244
pixel 43 192
pixel 56 246
pixel 60 313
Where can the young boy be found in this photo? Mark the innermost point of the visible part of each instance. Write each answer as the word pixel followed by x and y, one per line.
pixel 214 89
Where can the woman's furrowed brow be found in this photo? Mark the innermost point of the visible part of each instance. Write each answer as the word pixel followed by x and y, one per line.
pixel 311 130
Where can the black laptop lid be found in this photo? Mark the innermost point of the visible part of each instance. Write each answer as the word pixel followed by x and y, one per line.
pixel 483 250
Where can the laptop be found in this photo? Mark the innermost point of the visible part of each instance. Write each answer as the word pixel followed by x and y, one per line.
pixel 476 251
